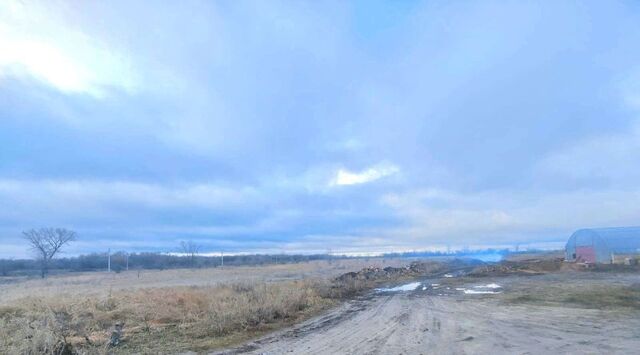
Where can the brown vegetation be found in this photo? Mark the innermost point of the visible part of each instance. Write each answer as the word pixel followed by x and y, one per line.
pixel 156 320
pixel 593 297
pixel 98 284
pixel 164 312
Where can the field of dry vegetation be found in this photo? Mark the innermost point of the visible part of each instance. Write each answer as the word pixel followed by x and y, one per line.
pixel 156 320
pixel 174 311
pixel 160 312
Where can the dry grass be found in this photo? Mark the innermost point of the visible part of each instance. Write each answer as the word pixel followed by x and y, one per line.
pixel 167 311
pixel 579 289
pixel 98 284
pixel 158 320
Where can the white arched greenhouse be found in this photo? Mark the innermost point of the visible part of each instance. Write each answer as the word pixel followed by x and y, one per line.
pixel 602 245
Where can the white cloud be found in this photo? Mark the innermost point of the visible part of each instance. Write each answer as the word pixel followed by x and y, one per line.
pixel 506 216
pixel 37 42
pixel 612 159
pixel 346 177
pixel 45 200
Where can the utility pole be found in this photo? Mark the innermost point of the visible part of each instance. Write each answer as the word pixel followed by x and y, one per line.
pixel 109 260
pixel 126 256
pixel 221 259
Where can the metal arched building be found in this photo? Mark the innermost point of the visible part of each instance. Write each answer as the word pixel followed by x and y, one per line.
pixel 601 245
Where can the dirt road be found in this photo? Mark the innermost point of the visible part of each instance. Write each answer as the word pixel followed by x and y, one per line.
pixel 446 320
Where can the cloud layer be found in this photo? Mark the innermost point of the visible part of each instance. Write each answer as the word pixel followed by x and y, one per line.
pixel 279 126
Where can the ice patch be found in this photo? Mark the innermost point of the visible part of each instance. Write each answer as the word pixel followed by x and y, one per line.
pixel 448 275
pixel 489 289
pixel 492 286
pixel 435 285
pixel 477 292
pixel 408 287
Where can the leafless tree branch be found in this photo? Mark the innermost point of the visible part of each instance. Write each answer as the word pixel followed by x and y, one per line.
pixel 191 249
pixel 47 242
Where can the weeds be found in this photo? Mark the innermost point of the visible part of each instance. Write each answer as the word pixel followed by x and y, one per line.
pixel 162 316
pixel 596 297
pixel 156 319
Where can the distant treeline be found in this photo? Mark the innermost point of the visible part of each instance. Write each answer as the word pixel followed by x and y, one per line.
pixel 457 253
pixel 146 260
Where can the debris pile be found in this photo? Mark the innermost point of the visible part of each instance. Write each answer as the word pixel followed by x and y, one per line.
pixel 524 267
pixel 375 273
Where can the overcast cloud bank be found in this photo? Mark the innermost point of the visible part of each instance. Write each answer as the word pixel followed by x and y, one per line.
pixel 299 127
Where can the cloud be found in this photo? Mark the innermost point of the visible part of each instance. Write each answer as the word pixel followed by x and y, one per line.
pixel 345 177
pixel 36 41
pixel 605 160
pixel 101 202
pixel 506 216
pixel 296 125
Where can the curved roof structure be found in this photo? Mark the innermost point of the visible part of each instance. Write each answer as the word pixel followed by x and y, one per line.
pixel 603 242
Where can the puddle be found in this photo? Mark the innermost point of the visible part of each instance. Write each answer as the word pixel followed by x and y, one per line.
pixel 491 286
pixel 402 288
pixel 481 292
pixel 489 289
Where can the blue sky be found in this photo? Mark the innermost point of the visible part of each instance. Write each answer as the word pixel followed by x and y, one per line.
pixel 280 126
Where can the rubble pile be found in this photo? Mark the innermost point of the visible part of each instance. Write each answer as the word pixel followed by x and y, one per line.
pixel 524 267
pixel 376 273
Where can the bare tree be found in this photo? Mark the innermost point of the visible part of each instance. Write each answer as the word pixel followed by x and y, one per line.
pixel 190 249
pixel 47 242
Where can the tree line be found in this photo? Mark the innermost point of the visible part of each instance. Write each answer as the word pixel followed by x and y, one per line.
pixel 144 260
pixel 47 243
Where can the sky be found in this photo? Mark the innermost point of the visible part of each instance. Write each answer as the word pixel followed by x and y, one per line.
pixel 309 126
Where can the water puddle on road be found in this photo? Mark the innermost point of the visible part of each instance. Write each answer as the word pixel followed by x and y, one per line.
pixel 491 285
pixel 481 292
pixel 430 288
pixel 489 289
pixel 402 288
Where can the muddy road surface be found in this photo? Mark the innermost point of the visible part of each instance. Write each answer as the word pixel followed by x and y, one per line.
pixel 455 316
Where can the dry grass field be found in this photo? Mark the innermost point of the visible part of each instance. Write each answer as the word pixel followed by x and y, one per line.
pixel 164 311
pixel 542 305
pixel 101 283
pixel 155 320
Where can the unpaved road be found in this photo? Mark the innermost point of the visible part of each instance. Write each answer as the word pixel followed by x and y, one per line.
pixel 448 321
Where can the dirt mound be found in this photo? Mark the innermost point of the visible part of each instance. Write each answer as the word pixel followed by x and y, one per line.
pixel 412 270
pixel 522 267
